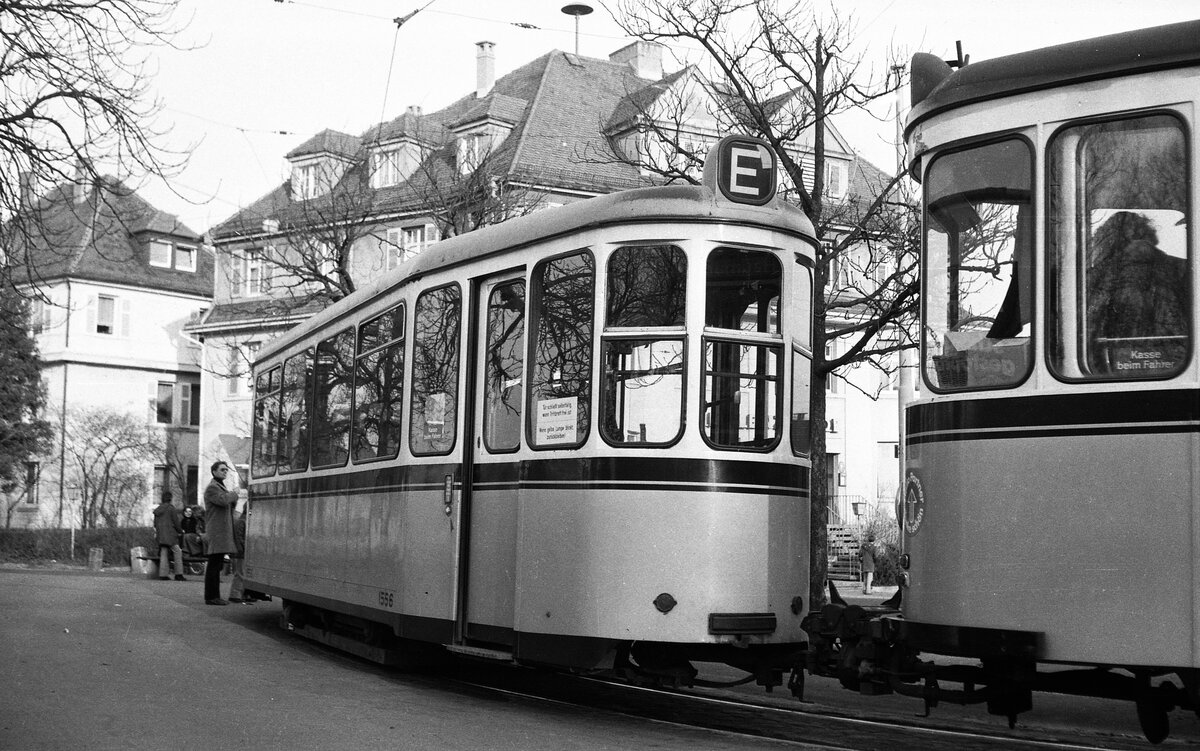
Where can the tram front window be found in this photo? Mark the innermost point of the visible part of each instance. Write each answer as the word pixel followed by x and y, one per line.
pixel 978 267
pixel 1118 259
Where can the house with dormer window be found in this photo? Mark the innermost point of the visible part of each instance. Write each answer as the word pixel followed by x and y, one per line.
pixel 558 129
pixel 117 281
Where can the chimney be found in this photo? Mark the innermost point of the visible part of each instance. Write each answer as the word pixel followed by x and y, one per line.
pixel 485 68
pixel 83 179
pixel 646 59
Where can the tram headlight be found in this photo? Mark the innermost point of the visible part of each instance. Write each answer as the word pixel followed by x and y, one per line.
pixel 904 579
pixel 905 561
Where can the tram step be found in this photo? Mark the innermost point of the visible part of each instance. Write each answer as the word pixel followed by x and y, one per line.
pixel 482 653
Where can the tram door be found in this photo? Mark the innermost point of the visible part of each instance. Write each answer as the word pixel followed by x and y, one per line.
pixel 491 521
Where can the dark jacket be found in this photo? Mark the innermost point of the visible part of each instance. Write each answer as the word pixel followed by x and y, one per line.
pixel 219 505
pixel 167 525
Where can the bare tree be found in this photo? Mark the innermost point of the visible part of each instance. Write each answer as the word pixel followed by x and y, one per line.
pixel 24 431
pixel 108 457
pixel 782 71
pixel 76 97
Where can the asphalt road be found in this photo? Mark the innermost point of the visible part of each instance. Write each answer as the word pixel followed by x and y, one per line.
pixel 115 661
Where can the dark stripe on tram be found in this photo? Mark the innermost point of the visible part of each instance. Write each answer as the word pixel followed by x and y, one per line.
pixel 1059 415
pixel 608 473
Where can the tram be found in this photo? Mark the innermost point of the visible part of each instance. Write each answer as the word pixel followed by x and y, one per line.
pixel 578 439
pixel 1049 512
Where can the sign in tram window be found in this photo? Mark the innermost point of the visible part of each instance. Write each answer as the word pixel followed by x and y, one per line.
pixel 647 286
pixel 433 415
pixel 266 423
pixel 379 387
pixel 295 400
pixel 1118 240
pixel 560 385
pixel 978 273
pixel 331 400
pixel 505 367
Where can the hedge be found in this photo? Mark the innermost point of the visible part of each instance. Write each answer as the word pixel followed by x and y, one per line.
pixel 42 545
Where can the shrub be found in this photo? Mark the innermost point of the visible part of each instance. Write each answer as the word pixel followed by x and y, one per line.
pixel 41 545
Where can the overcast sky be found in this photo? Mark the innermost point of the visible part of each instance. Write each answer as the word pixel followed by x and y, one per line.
pixel 265 75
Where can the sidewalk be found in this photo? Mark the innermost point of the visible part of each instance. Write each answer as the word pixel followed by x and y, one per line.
pixel 851 592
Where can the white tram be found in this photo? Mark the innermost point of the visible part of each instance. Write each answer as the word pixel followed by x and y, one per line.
pixel 1050 513
pixel 578 438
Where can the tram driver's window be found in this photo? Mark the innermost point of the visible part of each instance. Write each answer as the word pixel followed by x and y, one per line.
pixel 642 390
pixel 742 349
pixel 560 387
pixel 433 416
pixel 978 274
pixel 1120 305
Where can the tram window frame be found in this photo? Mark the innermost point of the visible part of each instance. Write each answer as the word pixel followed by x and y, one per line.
pixel 305 388
pixel 542 375
pixel 421 442
pixel 990 367
pixel 492 397
pixel 1073 353
pixel 323 423
pixel 616 434
pixel 801 429
pixel 764 335
pixel 643 312
pixel 390 349
pixel 266 386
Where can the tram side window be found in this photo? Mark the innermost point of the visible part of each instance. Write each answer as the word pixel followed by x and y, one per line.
pixel 433 415
pixel 331 400
pixel 642 402
pixel 379 387
pixel 1120 303
pixel 295 398
pixel 801 403
pixel 266 423
pixel 978 271
pixel 741 406
pixel 505 367
pixel 560 387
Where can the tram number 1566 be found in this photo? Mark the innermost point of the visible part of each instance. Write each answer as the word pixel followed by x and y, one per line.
pixel 386 599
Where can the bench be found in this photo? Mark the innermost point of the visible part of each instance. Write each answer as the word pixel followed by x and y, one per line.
pixel 192 564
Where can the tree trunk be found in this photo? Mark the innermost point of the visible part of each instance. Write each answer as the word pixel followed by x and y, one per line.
pixel 818 559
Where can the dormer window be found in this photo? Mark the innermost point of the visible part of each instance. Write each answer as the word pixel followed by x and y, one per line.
pixel 392 165
pixel 835 178
pixel 166 255
pixel 473 148
pixel 306 181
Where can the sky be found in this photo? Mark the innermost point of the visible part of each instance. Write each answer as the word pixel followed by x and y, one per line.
pixel 248 80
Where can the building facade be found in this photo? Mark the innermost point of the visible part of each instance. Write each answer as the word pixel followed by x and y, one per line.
pixel 115 281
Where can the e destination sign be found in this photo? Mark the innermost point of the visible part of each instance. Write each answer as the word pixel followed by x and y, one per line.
pixel 743 169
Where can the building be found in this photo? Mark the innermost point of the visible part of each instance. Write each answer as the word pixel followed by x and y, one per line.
pixel 115 282
pixel 558 129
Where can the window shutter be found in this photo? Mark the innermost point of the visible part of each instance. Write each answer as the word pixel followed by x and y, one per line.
pixel 124 317
pixel 235 275
pixel 152 402
pixel 91 314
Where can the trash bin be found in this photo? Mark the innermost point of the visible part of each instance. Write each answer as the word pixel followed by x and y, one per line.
pixel 95 558
pixel 138 565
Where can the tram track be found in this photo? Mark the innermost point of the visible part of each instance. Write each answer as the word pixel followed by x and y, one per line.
pixel 805 725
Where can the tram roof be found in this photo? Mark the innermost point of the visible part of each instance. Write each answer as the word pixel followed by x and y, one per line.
pixel 672 203
pixel 936 87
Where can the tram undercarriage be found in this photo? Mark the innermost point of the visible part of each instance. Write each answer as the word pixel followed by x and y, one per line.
pixel 873 650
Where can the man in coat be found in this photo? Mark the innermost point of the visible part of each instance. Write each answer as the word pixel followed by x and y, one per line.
pixel 219 505
pixel 168 529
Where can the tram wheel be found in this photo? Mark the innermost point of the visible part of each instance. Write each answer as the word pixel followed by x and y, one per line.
pixel 1152 716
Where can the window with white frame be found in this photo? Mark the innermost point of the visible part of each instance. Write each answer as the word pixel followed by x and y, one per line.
pixel 185 258
pixel 39 316
pixel 473 148
pixel 250 273
pixel 306 181
pixel 392 165
pixel 833 383
pixel 405 242
pixel 160 254
pixel 241 357
pixel 835 178
pixel 106 314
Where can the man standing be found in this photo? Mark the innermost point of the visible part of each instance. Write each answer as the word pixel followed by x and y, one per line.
pixel 219 505
pixel 168 529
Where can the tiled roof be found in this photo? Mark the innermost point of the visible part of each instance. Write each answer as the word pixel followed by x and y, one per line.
pixel 262 308
pixel 104 238
pixel 328 142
